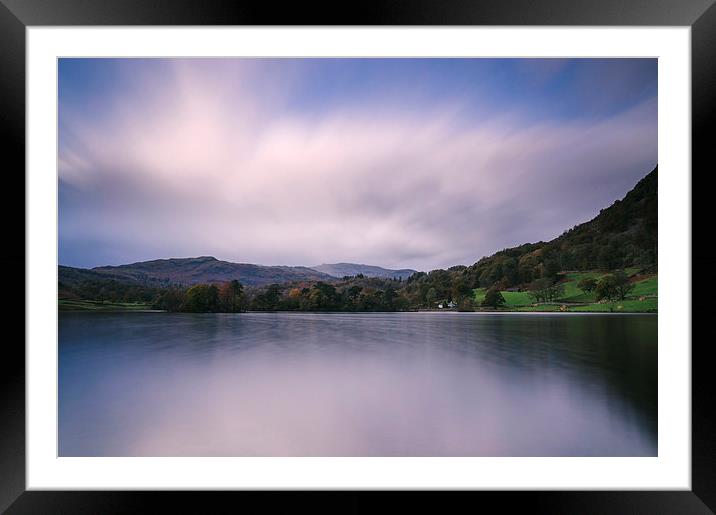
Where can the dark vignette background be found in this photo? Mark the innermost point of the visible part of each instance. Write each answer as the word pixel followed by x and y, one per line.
pixel 15 15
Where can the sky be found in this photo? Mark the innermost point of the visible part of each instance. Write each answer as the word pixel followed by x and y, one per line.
pixel 400 163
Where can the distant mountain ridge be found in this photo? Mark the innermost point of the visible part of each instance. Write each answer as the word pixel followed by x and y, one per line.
pixel 340 270
pixel 208 269
pixel 189 271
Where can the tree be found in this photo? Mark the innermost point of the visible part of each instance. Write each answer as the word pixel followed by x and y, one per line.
pixel 551 268
pixel 369 300
pixel 493 298
pixel 401 303
pixel 353 293
pixel 510 272
pixel 587 285
pixel 431 296
pixel 465 304
pixel 268 299
pixel 546 290
pixel 231 297
pixel 606 288
pixel 623 286
pixel 614 287
pixel 202 298
pixel 170 300
pixel 460 287
pixel 605 258
pixel 538 288
pixel 322 297
pixel 389 296
pixel 415 276
pixel 555 291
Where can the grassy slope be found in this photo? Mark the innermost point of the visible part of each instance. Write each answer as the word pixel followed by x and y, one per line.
pixel 513 298
pixel 574 294
pixel 647 287
pixel 522 301
pixel 517 298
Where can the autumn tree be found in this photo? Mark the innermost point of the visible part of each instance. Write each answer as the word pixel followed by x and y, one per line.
pixel 172 299
pixel 232 297
pixel 614 287
pixel 587 285
pixel 465 304
pixel 493 298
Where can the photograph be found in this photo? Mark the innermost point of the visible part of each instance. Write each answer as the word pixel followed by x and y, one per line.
pixel 357 257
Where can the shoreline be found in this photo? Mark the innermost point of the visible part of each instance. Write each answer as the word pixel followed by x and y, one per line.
pixel 432 311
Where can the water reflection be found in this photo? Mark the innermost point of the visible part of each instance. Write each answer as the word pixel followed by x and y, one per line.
pixel 412 384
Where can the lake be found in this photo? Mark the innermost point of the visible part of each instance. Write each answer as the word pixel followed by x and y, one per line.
pixel 338 384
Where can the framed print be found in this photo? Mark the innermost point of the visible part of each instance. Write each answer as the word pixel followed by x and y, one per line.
pixel 443 248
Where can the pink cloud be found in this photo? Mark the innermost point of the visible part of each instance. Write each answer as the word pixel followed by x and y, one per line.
pixel 201 163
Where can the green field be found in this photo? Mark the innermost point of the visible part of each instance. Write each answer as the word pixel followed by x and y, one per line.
pixel 625 306
pixel 517 298
pixel 647 287
pixel 513 298
pixel 478 295
pixel 576 300
pixel 574 294
pixel 92 305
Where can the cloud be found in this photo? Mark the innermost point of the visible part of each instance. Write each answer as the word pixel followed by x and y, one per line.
pixel 200 160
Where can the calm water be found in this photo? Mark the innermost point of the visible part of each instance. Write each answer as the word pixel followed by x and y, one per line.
pixel 411 384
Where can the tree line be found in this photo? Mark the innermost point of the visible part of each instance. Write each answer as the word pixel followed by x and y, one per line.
pixel 358 294
pixel 348 295
pixel 228 297
pixel 614 286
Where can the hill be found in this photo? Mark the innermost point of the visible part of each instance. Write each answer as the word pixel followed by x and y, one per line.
pixel 340 270
pixel 622 235
pixel 70 276
pixel 207 269
pixel 75 284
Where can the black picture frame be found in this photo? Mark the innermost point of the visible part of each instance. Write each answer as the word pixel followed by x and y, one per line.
pixel 16 15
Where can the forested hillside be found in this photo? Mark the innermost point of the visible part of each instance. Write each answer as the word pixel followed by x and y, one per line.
pixel 623 235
